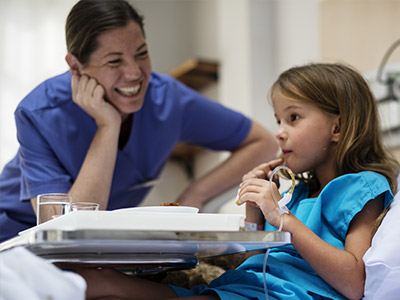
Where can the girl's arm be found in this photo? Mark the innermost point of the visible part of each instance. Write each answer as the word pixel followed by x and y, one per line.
pixel 342 269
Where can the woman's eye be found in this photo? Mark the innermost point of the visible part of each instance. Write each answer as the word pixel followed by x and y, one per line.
pixel 114 62
pixel 143 54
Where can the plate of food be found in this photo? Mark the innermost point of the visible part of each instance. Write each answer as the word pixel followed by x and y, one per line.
pixel 167 207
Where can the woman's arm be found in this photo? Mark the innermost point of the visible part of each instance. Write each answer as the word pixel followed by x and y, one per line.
pixel 93 182
pixel 259 146
pixel 94 179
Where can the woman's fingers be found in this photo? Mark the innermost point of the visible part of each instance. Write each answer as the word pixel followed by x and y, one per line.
pixel 89 95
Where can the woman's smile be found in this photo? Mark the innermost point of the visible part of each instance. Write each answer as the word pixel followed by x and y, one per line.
pixel 128 91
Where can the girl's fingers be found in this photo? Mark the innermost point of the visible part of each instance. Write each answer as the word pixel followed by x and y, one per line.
pixel 256 185
pixel 252 189
pixel 262 171
pixel 272 165
pixel 252 182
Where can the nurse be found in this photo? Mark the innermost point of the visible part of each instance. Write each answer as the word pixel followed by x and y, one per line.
pixel 110 123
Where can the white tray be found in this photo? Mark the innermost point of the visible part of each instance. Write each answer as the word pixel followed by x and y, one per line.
pixel 163 209
pixel 143 220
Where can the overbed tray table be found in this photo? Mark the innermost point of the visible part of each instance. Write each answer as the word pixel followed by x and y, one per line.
pixel 140 251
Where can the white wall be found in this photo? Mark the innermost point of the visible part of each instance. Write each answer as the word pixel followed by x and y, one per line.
pixel 32 49
pixel 258 39
pixel 253 40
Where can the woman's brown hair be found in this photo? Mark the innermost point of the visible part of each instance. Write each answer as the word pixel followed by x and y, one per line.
pixel 90 18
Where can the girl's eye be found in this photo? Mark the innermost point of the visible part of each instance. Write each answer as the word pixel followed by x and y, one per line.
pixel 294 117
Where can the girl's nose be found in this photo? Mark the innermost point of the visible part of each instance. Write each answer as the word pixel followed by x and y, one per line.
pixel 281 133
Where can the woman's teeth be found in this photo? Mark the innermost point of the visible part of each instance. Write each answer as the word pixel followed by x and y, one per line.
pixel 128 91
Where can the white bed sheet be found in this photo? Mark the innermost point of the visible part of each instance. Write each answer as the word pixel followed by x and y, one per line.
pixel 24 275
pixel 382 260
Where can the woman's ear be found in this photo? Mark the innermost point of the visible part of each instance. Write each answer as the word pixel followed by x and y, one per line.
pixel 336 129
pixel 73 63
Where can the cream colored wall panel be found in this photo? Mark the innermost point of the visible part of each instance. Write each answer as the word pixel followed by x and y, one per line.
pixel 359 31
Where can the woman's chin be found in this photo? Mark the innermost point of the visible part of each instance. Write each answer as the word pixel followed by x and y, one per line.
pixel 126 110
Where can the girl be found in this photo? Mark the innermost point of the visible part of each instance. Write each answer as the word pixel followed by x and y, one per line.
pixel 329 136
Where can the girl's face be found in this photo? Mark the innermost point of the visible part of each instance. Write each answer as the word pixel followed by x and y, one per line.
pixel 306 135
pixel 121 65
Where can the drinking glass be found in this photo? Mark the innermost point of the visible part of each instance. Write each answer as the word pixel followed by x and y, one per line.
pixel 84 206
pixel 52 205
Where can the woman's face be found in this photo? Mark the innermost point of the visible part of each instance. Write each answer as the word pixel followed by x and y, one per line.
pixel 121 65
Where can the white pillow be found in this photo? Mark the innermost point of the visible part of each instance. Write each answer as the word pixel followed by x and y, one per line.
pixel 382 260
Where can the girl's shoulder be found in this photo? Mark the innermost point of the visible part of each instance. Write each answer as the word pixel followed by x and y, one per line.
pixel 346 195
pixel 364 176
pixel 372 183
pixel 366 184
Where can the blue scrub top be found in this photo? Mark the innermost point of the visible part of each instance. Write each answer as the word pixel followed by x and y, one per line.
pixel 288 274
pixel 55 134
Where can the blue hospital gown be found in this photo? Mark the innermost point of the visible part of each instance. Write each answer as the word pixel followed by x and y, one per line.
pixel 288 275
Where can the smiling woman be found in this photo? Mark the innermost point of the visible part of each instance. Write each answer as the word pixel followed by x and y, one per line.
pixel 121 66
pixel 110 123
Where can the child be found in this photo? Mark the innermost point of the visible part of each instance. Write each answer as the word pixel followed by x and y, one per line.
pixel 329 136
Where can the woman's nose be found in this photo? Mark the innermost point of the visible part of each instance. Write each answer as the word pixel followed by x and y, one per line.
pixel 132 70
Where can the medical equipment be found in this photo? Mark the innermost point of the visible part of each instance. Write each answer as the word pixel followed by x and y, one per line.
pixel 282 209
pixel 393 78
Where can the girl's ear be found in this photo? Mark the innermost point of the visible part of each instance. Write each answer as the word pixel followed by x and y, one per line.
pixel 73 63
pixel 336 130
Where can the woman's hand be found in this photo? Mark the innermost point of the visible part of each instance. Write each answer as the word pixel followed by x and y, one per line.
pixel 94 179
pixel 89 95
pixel 255 191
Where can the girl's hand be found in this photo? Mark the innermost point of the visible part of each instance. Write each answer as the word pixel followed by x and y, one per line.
pixel 89 95
pixel 264 171
pixel 256 191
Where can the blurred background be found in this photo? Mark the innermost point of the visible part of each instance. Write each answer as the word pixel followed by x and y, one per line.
pixel 243 44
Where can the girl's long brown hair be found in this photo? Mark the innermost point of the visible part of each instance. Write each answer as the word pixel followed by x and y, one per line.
pixel 340 90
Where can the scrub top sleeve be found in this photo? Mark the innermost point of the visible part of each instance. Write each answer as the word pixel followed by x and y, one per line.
pixel 40 169
pixel 209 124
